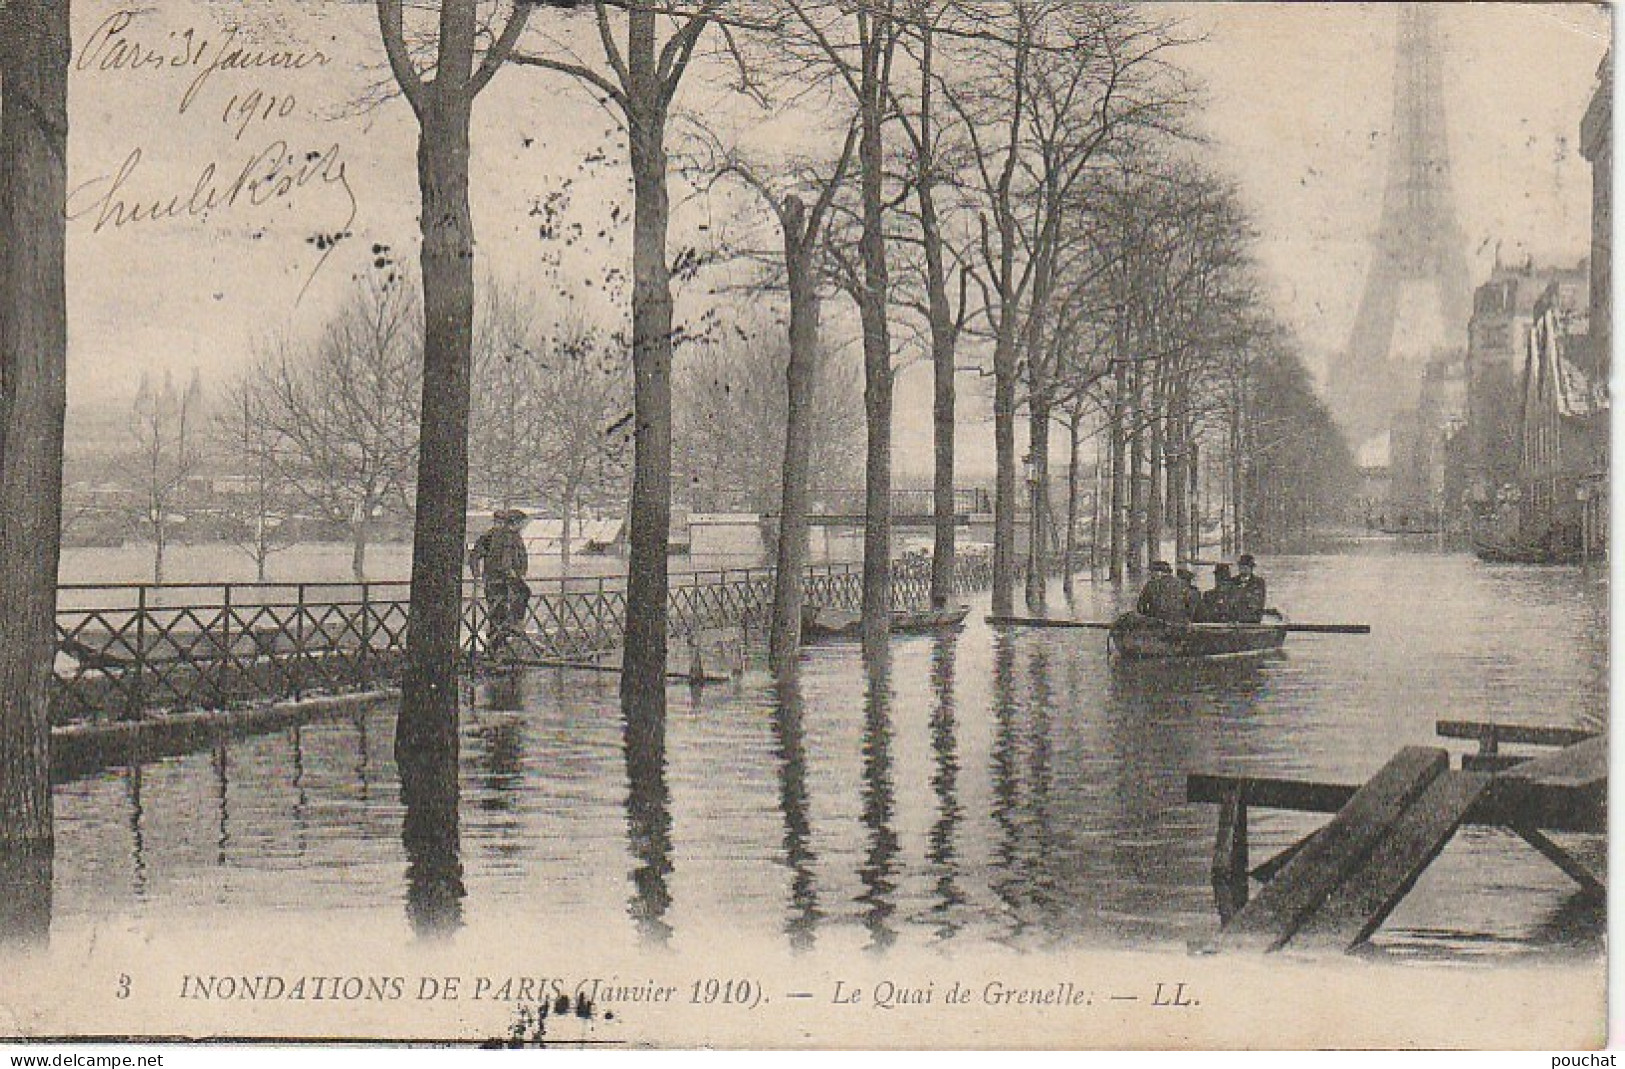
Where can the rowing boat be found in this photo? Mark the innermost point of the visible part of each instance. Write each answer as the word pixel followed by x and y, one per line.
pixel 1135 637
pixel 821 621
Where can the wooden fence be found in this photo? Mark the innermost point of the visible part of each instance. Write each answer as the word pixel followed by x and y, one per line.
pixel 126 649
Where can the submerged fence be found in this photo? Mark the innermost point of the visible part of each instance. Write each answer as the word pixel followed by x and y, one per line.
pixel 127 649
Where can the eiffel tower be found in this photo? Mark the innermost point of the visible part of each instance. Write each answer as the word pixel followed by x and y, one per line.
pixel 1418 245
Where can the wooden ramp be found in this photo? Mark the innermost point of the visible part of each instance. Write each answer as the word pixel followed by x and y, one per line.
pixel 1334 888
pixel 1338 886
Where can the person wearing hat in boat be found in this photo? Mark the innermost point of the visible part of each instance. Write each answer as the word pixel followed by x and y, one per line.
pixel 499 558
pixel 1164 596
pixel 1248 592
pixel 1216 602
pixel 1193 596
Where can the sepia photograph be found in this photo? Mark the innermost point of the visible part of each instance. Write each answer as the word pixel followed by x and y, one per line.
pixel 924 524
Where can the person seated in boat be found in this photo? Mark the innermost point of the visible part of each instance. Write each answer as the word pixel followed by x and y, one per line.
pixel 1193 596
pixel 1249 591
pixel 1163 596
pixel 1216 603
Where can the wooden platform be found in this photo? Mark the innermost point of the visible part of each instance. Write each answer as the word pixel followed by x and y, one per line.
pixel 1334 888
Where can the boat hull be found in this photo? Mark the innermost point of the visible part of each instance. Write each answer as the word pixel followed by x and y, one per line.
pixel 821 622
pixel 1140 638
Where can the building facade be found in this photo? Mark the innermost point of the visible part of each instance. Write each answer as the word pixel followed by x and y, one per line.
pixel 1564 423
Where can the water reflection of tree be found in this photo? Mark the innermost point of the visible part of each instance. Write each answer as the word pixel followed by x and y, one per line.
pixel 301 795
pixel 648 820
pixel 222 786
pixel 363 758
pixel 25 905
pixel 1160 724
pixel 941 851
pixel 429 833
pixel 501 759
pixel 880 863
pixel 1021 786
pixel 138 842
pixel 1011 876
pixel 790 748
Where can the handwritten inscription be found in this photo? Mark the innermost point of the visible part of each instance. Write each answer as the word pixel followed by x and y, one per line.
pixel 274 173
pixel 112 47
pixel 141 192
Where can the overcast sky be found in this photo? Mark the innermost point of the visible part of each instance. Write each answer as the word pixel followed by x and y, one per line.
pixel 1297 109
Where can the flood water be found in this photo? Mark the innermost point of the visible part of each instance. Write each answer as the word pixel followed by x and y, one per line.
pixel 1006 788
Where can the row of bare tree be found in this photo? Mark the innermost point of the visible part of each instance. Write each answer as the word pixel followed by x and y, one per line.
pixel 1001 186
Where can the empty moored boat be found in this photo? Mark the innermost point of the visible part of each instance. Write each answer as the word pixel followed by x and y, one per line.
pixel 821 621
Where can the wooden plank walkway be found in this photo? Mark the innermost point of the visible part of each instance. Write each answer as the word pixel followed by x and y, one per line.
pixel 1334 888
pixel 1358 906
pixel 1331 855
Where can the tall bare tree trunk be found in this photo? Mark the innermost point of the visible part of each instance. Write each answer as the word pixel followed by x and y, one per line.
pixel 944 339
pixel 1119 495
pixel 643 674
pixel 566 532
pixel 1004 483
pixel 34 54
pixel 873 308
pixel 1155 465
pixel 943 548
pixel 1136 477
pixel 429 695
pixel 1068 562
pixel 360 532
pixel 1193 502
pixel 1038 499
pixel 800 376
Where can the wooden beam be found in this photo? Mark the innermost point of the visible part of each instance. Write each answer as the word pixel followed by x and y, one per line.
pixel 1283 905
pixel 1562 791
pixel 1358 906
pixel 1229 872
pixel 1530 734
pixel 1577 870
pixel 1266 870
pixel 1566 810
pixel 1268 793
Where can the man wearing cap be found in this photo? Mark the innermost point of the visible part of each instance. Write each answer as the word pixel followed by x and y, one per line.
pixel 1247 592
pixel 499 557
pixel 1163 596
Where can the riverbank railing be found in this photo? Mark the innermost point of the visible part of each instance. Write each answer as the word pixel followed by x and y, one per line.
pixel 126 649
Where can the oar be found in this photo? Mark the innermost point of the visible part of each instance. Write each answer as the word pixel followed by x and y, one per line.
pixel 1095 625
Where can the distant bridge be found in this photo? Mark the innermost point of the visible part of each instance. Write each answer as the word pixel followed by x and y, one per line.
pixel 909 508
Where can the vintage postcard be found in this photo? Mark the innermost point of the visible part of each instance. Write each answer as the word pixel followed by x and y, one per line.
pixel 805 523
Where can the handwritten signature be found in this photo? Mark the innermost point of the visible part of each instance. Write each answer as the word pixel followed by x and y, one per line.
pixel 274 173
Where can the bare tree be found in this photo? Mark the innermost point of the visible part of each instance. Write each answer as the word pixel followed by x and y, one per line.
pixel 34 51
pixel 933 158
pixel 166 437
pixel 342 415
pixel 801 263
pixel 551 417
pixel 733 391
pixel 640 76
pixel 443 104
pixel 257 510
pixel 853 47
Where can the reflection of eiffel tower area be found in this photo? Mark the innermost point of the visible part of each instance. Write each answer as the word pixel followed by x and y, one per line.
pixel 1417 297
